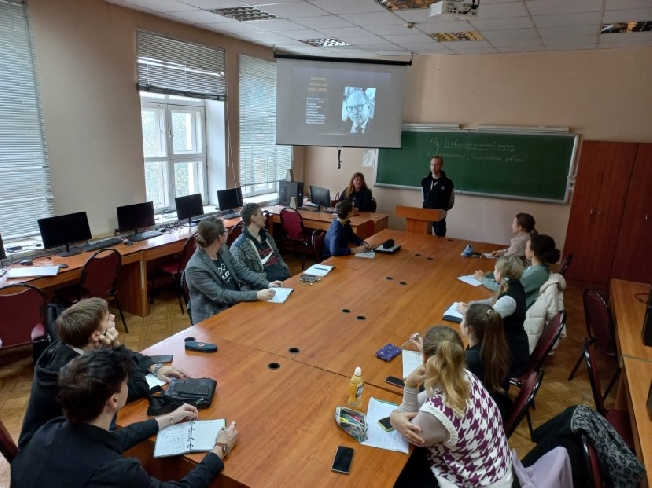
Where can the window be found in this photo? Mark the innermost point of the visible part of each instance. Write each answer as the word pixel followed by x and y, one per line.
pixel 175 78
pixel 173 147
pixel 25 189
pixel 262 162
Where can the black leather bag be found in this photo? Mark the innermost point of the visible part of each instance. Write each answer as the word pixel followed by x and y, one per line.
pixel 198 392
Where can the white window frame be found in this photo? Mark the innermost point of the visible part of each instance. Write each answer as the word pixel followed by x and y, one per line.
pixel 170 104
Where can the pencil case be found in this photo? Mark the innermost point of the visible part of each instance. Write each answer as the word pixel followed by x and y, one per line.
pixel 352 422
pixel 388 352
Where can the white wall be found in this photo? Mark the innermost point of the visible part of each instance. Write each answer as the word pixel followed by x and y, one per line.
pixel 600 94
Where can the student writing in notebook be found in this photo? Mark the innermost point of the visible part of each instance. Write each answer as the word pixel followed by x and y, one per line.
pixel 340 234
pixel 80 450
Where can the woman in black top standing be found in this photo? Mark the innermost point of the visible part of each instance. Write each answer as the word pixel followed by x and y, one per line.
pixel 359 194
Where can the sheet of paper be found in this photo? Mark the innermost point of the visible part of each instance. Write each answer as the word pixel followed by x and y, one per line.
pixel 368 255
pixel 33 271
pixel 411 361
pixel 453 312
pixel 153 381
pixel 489 255
pixel 172 440
pixel 470 280
pixel 280 295
pixel 319 269
pixel 376 435
pixel 204 433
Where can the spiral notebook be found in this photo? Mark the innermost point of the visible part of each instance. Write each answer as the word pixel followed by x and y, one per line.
pixel 187 437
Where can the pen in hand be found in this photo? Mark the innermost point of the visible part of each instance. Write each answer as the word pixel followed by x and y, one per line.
pixel 414 337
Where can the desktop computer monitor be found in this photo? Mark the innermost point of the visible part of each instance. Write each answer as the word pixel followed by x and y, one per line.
pixel 135 217
pixel 229 199
pixel 189 206
pixel 320 196
pixel 62 230
pixel 289 189
pixel 3 255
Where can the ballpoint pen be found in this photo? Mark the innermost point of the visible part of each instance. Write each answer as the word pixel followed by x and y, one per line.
pixel 414 336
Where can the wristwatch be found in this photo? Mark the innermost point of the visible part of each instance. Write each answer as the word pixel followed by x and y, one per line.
pixel 156 369
pixel 224 447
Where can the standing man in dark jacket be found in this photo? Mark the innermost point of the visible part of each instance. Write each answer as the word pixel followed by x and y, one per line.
pixel 85 326
pixel 438 193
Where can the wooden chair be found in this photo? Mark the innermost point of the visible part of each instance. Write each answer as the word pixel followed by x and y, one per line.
pixel 546 342
pixel 235 233
pixel 174 269
pixel 8 447
pixel 292 224
pixel 619 419
pixel 99 278
pixel 22 318
pixel 522 403
pixel 592 464
pixel 600 330
pixel 318 237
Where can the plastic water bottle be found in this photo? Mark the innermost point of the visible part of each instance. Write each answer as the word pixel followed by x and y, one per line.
pixel 356 386
pixel 468 250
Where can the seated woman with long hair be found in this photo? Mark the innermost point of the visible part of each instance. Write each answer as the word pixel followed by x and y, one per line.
pixel 455 418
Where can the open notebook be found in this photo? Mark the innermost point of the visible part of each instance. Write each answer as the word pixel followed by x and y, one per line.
pixel 186 437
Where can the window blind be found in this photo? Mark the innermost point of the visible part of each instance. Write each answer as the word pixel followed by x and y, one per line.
pixel 176 67
pixel 261 160
pixel 25 187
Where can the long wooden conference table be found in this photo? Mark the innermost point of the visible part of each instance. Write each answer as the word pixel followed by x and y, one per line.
pixel 636 361
pixel 137 257
pixel 285 416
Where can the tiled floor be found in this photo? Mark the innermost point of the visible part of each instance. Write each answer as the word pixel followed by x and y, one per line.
pixel 555 394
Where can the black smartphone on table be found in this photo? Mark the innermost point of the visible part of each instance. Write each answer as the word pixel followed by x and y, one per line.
pixel 343 459
pixel 395 381
pixel 163 358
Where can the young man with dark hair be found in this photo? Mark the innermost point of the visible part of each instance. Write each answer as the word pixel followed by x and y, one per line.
pixel 80 450
pixel 255 247
pixel 437 192
pixel 85 326
pixel 340 234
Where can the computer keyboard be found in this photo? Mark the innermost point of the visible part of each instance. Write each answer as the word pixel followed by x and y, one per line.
pixel 232 215
pixel 145 235
pixel 101 244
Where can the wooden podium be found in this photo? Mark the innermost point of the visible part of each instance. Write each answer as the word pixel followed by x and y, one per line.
pixel 418 219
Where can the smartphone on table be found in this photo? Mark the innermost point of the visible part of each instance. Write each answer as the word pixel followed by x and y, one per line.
pixel 343 459
pixel 395 381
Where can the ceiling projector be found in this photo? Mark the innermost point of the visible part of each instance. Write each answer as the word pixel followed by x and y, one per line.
pixel 454 9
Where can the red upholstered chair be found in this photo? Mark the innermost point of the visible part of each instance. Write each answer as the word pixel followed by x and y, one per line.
pixel 8 447
pixel 600 330
pixel 22 318
pixel 565 263
pixel 99 278
pixel 235 232
pixel 592 464
pixel 522 403
pixel 292 224
pixel 318 237
pixel 173 269
pixel 549 336
pixel 619 419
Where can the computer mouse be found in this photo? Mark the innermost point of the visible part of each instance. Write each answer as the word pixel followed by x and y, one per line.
pixel 128 243
pixel 63 266
pixel 26 262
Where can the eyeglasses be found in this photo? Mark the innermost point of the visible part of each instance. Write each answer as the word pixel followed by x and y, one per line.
pixel 355 108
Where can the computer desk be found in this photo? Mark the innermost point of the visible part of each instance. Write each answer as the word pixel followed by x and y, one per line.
pixel 288 434
pixel 636 361
pixel 364 224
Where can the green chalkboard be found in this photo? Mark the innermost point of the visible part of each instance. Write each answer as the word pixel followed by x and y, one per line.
pixel 512 165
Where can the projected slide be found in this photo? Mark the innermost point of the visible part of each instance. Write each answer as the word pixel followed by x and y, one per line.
pixel 339 104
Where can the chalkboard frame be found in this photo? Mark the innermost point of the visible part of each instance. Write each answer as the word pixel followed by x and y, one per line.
pixel 525 131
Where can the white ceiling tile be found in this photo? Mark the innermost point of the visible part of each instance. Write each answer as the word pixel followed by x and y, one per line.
pixel 460 26
pixel 640 14
pixel 521 49
pixel 195 17
pixel 235 28
pixel 568 19
pixel 556 7
pixel 368 41
pixel 516 42
pixel 275 25
pixel 397 52
pixel 161 5
pixel 502 10
pixel 349 6
pixel 346 31
pixel 566 30
pixel 258 3
pixel 292 10
pixel 303 34
pixel 323 21
pixel 421 37
pixel 388 29
pixel 510 34
pixel 414 15
pixel 432 48
pixel 502 24
pixel 626 4
pixel 375 18
pixel 213 4
pixel 466 49
pixel 555 41
pixel 571 47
